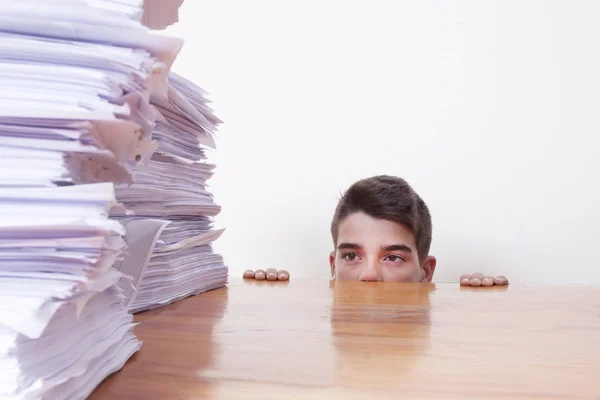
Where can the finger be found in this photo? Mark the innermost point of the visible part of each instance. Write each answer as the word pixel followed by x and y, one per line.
pixel 465 279
pixel 477 275
pixel 283 275
pixel 271 274
pixel 487 281
pixel 248 274
pixel 501 280
pixel 260 275
pixel 475 282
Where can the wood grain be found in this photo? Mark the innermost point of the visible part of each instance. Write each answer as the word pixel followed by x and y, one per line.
pixel 351 340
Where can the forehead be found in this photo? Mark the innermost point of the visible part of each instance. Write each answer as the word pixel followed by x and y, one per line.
pixel 370 232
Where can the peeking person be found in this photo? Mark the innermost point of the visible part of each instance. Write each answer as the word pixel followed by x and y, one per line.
pixel 382 231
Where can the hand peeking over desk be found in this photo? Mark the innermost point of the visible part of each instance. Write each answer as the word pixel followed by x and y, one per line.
pixel 478 279
pixel 271 274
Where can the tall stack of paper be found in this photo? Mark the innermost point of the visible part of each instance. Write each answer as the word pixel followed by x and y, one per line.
pixel 76 78
pixel 174 259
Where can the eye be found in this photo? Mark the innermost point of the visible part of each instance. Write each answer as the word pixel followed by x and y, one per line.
pixel 394 258
pixel 350 256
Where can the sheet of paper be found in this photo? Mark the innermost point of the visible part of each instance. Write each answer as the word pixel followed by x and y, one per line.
pixel 193 241
pixel 142 235
pixel 88 25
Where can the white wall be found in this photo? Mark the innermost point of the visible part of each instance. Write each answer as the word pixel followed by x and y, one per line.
pixel 490 109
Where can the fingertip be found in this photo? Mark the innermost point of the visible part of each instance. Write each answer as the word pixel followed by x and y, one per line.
pixel 283 275
pixel 487 281
pixel 475 282
pixel 260 275
pixel 464 279
pixel 248 274
pixel 271 276
pixel 501 280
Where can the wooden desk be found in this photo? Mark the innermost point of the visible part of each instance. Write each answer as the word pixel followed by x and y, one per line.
pixel 317 340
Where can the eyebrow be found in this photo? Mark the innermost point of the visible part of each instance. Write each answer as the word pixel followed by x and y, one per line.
pixel 391 247
pixel 397 247
pixel 353 246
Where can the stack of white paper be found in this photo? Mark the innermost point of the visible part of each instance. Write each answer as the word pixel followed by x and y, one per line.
pixel 76 79
pixel 171 196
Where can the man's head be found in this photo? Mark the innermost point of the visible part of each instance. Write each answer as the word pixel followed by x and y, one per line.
pixel 381 231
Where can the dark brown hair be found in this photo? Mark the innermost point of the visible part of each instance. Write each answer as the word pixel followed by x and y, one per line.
pixel 390 198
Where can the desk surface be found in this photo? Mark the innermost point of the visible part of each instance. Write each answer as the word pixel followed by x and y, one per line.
pixel 318 340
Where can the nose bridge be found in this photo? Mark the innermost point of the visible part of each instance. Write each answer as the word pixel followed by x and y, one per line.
pixel 371 270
